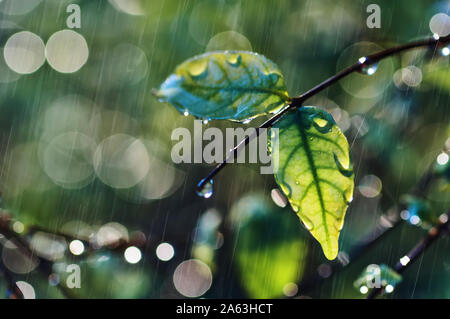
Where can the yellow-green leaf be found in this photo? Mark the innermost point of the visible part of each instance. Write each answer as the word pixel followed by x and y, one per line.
pixel 314 171
pixel 234 85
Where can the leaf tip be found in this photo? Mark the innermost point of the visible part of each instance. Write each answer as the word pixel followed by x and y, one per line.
pixel 330 254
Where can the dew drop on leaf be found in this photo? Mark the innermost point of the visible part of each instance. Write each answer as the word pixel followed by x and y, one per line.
pixel 320 122
pixel 348 195
pixel 307 223
pixel 273 77
pixel 286 189
pixel 205 190
pixel 234 59
pixel 339 224
pixel 197 68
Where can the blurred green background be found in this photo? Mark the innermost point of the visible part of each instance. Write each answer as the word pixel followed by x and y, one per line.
pixel 85 148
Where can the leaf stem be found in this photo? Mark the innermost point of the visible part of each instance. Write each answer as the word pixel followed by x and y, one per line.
pixel 297 102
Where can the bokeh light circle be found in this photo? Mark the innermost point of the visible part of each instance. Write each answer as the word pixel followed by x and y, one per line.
pixel 440 24
pixel 26 289
pixel 192 278
pixel 370 186
pixel 18 7
pixel 24 52
pixel 229 40
pixel 131 7
pixel 16 260
pixel 121 161
pixel 76 247
pixel 67 159
pixel 165 251
pixel 132 255
pixel 66 51
pixel 49 246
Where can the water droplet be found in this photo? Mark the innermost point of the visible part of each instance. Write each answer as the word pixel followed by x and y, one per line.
pixel 339 224
pixel 445 51
pixel 206 190
pixel 369 68
pixel 246 121
pixel 286 189
pixel 186 113
pixel 348 195
pixel 205 121
pixel 273 77
pixel 295 208
pixel 307 223
pixel 362 60
pixel 320 122
pixel 197 68
pixel 343 165
pixel 234 59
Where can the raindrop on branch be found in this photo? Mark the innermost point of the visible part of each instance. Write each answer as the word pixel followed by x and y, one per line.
pixel 205 190
pixel 367 67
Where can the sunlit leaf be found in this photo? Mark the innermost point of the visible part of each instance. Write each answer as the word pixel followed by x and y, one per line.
pixel 270 252
pixel 314 171
pixel 235 85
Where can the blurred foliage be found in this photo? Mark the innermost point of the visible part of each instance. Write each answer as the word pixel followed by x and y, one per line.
pixel 53 178
pixel 270 252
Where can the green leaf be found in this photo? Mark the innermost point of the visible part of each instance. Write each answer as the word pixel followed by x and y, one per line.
pixel 270 251
pixel 234 85
pixel 314 171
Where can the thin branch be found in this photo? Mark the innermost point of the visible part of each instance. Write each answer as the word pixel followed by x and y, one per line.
pixel 440 229
pixel 297 102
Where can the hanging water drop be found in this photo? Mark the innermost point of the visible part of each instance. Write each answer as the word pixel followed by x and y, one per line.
pixel 368 68
pixel 205 190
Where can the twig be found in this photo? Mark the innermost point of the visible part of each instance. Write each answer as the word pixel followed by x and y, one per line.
pixel 440 229
pixel 297 102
